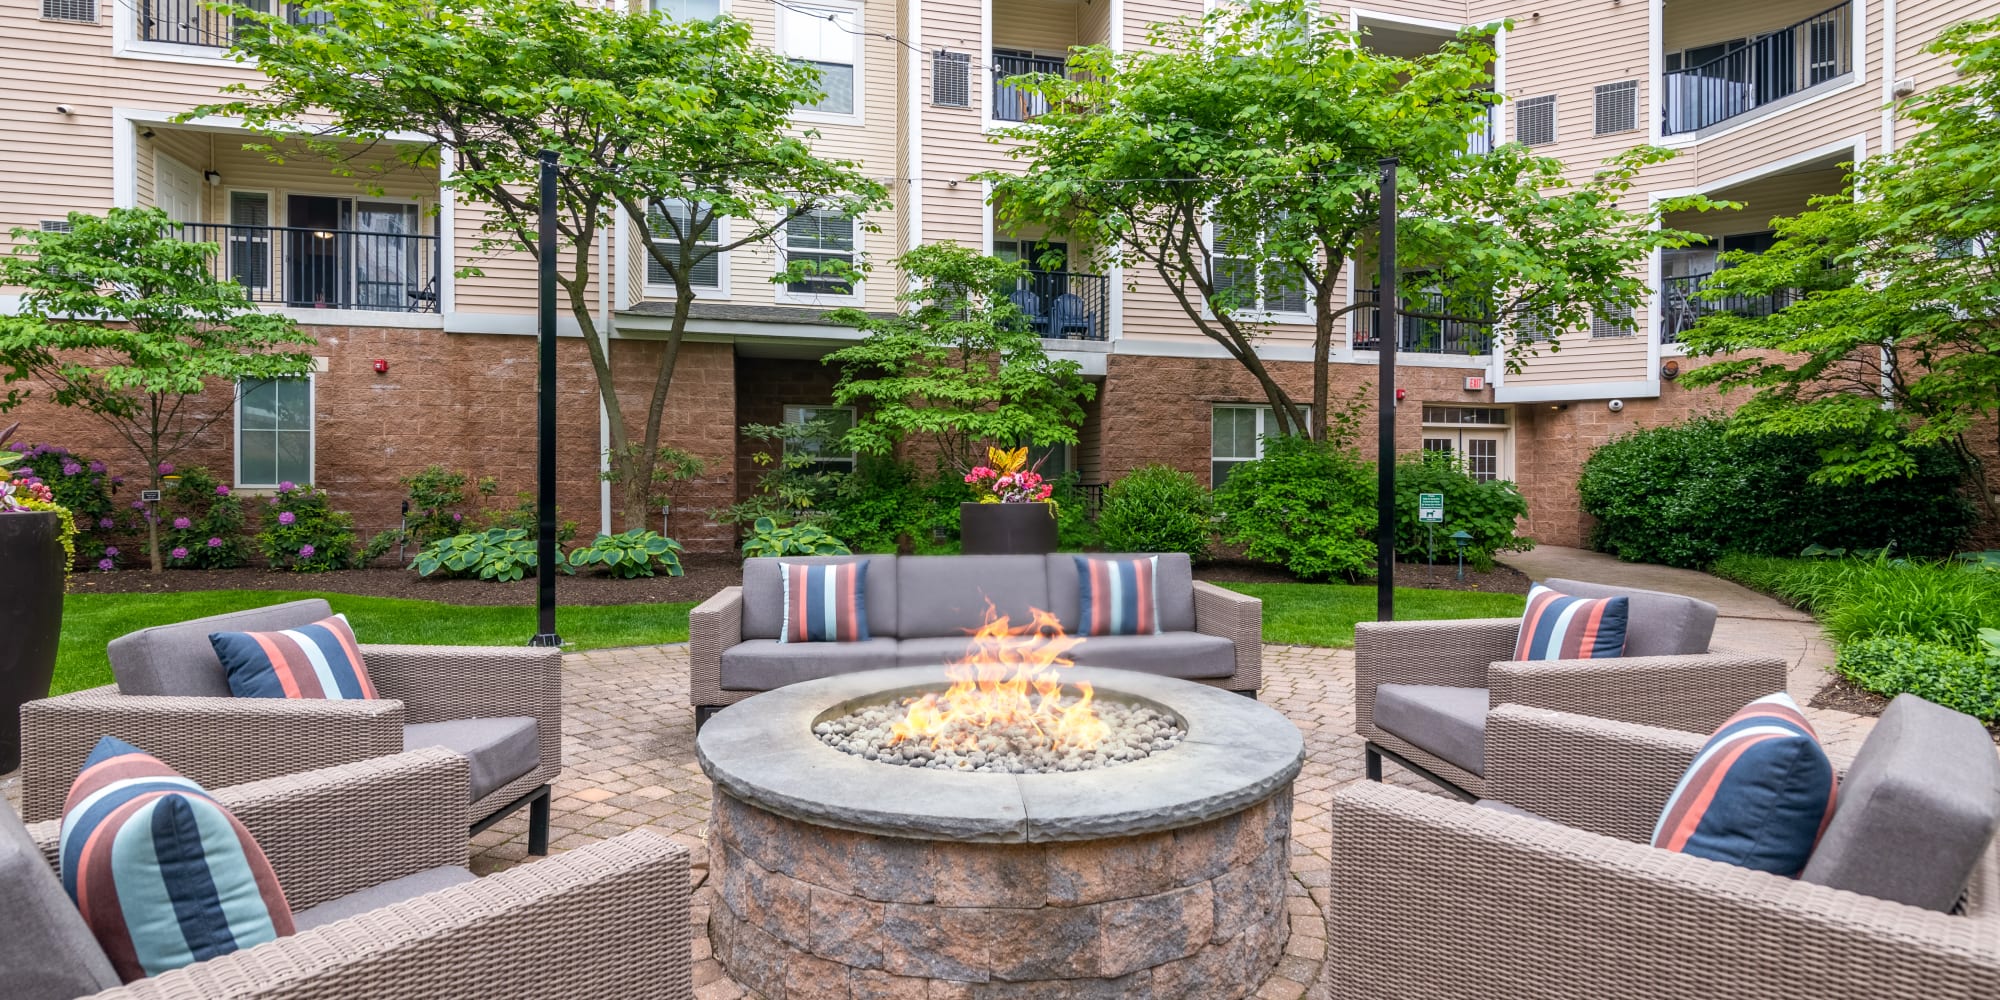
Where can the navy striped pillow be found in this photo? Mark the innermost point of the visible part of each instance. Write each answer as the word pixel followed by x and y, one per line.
pixel 318 661
pixel 1759 794
pixel 1560 627
pixel 825 602
pixel 1118 596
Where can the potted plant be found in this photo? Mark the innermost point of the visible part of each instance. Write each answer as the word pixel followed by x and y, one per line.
pixel 36 539
pixel 1015 513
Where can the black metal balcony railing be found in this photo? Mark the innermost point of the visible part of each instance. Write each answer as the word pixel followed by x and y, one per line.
pixel 326 268
pixel 1481 141
pixel 1774 66
pixel 1424 336
pixel 190 22
pixel 1680 308
pixel 1014 104
pixel 1063 305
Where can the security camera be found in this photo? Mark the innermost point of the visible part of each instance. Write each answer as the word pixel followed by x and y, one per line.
pixel 62 109
pixel 1616 405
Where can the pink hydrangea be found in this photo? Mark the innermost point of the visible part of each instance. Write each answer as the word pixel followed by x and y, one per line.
pixel 105 523
pixel 96 466
pixel 72 469
pixel 182 524
pixel 111 550
pixel 287 517
pixel 166 468
pixel 105 565
pixel 215 543
pixel 306 551
pixel 287 486
pixel 179 552
pixel 222 491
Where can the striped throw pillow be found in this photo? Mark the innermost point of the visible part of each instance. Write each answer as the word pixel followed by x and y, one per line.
pixel 164 875
pixel 1118 596
pixel 1759 795
pixel 320 660
pixel 825 602
pixel 1559 627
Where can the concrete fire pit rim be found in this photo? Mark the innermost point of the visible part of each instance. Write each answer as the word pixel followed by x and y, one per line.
pixel 1238 752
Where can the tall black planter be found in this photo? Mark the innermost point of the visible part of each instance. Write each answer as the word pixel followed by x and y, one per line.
pixel 1006 529
pixel 31 606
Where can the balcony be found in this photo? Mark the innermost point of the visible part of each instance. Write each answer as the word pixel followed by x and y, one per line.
pixel 1424 336
pixel 1759 72
pixel 1065 305
pixel 1680 307
pixel 192 22
pixel 326 268
pixel 1012 103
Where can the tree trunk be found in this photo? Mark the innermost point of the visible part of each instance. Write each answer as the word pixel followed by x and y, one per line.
pixel 152 513
pixel 1322 347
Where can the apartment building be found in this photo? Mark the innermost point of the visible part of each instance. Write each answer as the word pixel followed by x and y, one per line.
pixel 417 365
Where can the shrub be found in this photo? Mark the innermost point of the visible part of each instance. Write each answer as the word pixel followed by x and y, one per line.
pixel 84 487
pixel 438 505
pixel 876 506
pixel 1157 508
pixel 1945 603
pixel 1484 509
pixel 768 539
pixel 630 554
pixel 1076 530
pixel 1964 680
pixel 1685 494
pixel 202 524
pixel 303 533
pixel 500 554
pixel 1308 507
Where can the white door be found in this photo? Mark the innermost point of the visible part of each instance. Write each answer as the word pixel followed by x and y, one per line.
pixel 176 188
pixel 1482 453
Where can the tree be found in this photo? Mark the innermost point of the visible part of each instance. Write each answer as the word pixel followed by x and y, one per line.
pixel 125 320
pixel 1890 339
pixel 678 124
pixel 1258 131
pixel 958 364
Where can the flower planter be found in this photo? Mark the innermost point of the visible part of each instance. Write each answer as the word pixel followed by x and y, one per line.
pixel 1006 529
pixel 31 606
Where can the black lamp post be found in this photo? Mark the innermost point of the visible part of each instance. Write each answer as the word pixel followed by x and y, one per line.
pixel 545 414
pixel 1460 538
pixel 1386 323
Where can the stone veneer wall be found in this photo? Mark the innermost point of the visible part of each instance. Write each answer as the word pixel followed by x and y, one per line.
pixel 806 912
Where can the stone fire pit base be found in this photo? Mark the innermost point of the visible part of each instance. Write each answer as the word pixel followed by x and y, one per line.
pixel 805 911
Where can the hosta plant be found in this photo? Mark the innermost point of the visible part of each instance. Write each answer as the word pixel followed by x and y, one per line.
pixel 767 539
pixel 630 554
pixel 501 554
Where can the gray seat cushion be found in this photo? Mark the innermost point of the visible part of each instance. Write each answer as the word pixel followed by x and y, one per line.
pixel 1657 624
pixel 947 595
pixel 46 950
pixel 764 594
pixel 766 664
pixel 1917 810
pixel 1188 655
pixel 178 660
pixel 1175 584
pixel 1448 722
pixel 376 897
pixel 500 749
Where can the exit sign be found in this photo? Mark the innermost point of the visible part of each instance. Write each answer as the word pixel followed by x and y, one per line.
pixel 1475 383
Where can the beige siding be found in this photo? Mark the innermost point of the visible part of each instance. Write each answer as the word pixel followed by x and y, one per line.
pixel 1688 23
pixel 954 142
pixel 1763 200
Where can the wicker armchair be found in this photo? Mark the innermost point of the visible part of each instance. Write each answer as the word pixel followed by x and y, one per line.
pixel 173 699
pixel 1449 673
pixel 397 914
pixel 1562 896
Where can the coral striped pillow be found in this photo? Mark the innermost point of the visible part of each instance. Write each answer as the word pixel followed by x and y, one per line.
pixel 1118 596
pixel 320 660
pixel 164 875
pixel 1759 794
pixel 825 602
pixel 1559 627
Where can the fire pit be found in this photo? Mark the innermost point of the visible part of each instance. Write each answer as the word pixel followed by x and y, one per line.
pixel 1159 875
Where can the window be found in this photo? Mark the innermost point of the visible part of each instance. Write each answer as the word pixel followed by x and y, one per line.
pixel 1535 121
pixel 689 10
pixel 274 432
pixel 70 10
pixel 1468 416
pixel 951 79
pixel 669 221
pixel 1261 285
pixel 820 236
pixel 828 40
pixel 839 419
pixel 1236 435
pixel 1476 436
pixel 250 241
pixel 1617 107
pixel 1536 327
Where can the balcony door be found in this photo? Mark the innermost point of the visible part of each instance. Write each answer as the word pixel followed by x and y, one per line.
pixel 345 253
pixel 316 259
pixel 176 189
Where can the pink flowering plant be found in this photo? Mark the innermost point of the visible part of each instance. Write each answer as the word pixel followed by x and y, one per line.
pixel 22 496
pixel 85 488
pixel 1007 478
pixel 301 531
pixel 202 524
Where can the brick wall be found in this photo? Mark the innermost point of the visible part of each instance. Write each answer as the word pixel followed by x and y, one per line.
pixel 764 387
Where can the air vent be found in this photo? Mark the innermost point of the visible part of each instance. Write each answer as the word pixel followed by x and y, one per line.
pixel 56 226
pixel 1611 323
pixel 1535 121
pixel 1617 107
pixel 951 79
pixel 70 10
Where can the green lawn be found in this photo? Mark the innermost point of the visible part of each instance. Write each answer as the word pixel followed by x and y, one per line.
pixel 90 621
pixel 1323 614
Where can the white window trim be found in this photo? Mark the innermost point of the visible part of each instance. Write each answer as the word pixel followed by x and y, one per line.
pixel 795 413
pixel 724 8
pixel 784 294
pixel 1264 414
pixel 1259 315
pixel 312 434
pixel 719 293
pixel 859 117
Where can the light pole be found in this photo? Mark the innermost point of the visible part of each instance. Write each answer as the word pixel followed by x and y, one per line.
pixel 545 414
pixel 1386 315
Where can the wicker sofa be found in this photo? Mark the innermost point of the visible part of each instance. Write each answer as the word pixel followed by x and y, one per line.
pixel 372 858
pixel 920 609
pixel 500 706
pixel 1558 894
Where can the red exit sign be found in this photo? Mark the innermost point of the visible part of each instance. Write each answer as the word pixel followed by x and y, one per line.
pixel 1475 383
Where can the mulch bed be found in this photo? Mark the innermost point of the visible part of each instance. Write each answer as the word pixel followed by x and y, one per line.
pixel 1841 696
pixel 705 575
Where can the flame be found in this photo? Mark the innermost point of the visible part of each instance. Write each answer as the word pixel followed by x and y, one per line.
pixel 1008 677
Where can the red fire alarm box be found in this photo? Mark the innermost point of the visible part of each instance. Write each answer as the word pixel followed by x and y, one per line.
pixel 381 366
pixel 1475 383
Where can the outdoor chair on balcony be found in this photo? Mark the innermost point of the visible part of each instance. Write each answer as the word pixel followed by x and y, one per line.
pixel 371 857
pixel 1030 306
pixel 1069 318
pixel 1556 892
pixel 1422 690
pixel 499 706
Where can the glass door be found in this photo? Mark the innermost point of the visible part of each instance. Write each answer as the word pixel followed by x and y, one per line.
pixel 387 268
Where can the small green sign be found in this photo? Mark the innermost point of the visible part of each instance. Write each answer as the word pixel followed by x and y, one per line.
pixel 1430 507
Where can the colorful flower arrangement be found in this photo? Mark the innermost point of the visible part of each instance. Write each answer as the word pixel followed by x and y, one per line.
pixel 1006 478
pixel 84 487
pixel 32 495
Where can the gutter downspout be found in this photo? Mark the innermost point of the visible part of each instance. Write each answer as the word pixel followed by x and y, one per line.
pixel 608 271
pixel 1888 76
